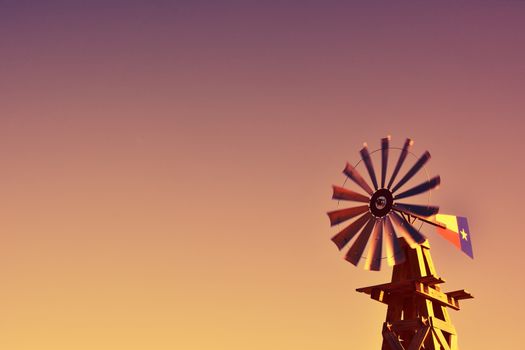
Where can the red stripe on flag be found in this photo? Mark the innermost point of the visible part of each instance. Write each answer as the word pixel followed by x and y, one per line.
pixel 451 236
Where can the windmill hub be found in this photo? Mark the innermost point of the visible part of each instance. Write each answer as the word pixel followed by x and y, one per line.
pixel 381 202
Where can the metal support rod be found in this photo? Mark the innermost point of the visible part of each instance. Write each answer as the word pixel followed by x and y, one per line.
pixel 438 224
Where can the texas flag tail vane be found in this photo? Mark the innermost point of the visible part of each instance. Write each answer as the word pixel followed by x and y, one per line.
pixel 456 231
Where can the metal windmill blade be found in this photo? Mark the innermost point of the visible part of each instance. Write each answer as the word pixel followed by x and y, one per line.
pixel 380 221
pixel 413 171
pixel 400 161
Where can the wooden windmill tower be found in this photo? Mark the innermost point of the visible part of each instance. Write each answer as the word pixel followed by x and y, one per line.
pixel 417 315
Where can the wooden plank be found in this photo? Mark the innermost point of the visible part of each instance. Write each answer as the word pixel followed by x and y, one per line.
pixel 441 338
pixel 392 341
pixel 419 338
pixel 434 342
pixel 420 269
pixel 453 342
pixel 379 295
pixel 440 324
pixel 436 295
pixel 430 263
pixel 387 287
pixel 431 280
pixel 406 325
pixel 395 309
pixel 397 286
pixel 460 294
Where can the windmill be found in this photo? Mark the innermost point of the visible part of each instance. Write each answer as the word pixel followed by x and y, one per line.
pixel 417 314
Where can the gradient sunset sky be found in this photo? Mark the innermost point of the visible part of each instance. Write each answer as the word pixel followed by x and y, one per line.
pixel 166 167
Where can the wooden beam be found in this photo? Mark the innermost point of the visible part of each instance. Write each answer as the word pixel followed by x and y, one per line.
pixel 379 295
pixel 419 339
pixel 460 294
pixel 431 279
pixel 441 338
pixel 440 324
pixel 419 270
pixel 401 286
pixel 438 296
pixel 392 340
pixel 387 287
pixel 406 325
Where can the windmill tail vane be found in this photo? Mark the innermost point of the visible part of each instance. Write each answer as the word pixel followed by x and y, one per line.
pixel 455 231
pixel 380 217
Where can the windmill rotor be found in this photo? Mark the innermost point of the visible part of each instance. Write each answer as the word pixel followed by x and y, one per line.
pixel 378 223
